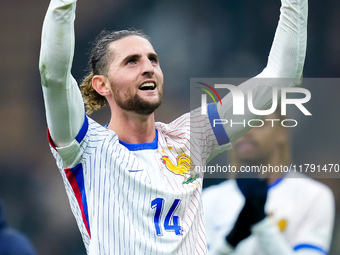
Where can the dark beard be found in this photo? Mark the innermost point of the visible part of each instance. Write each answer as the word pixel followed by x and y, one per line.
pixel 138 105
pixel 257 161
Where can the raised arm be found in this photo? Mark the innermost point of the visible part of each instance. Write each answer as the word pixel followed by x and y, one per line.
pixel 287 54
pixel 63 101
pixel 286 60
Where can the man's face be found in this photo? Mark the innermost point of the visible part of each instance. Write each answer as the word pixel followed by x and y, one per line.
pixel 259 145
pixel 135 75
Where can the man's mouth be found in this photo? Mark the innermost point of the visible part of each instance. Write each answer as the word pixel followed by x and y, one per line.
pixel 148 86
pixel 245 146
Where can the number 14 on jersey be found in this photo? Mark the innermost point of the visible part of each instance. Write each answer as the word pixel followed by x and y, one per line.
pixel 171 222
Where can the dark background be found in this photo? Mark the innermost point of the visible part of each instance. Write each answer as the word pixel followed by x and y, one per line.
pixel 194 38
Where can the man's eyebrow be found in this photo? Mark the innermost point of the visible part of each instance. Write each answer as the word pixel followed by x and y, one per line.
pixel 131 57
pixel 153 55
pixel 138 56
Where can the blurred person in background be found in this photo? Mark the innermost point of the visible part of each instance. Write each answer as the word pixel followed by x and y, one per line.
pixel 280 214
pixel 12 242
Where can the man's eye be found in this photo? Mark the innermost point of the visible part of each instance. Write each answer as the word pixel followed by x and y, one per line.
pixel 131 62
pixel 153 60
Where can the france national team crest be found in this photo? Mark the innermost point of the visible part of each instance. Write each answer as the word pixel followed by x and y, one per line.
pixel 282 224
pixel 183 167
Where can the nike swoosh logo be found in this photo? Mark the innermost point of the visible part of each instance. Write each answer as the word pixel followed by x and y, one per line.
pixel 134 171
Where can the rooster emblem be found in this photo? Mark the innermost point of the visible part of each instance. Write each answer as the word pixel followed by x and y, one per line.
pixel 183 167
pixel 282 224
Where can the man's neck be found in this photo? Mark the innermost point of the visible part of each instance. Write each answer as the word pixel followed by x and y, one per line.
pixel 132 127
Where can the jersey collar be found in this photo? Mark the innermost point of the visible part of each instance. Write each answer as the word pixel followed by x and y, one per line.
pixel 141 146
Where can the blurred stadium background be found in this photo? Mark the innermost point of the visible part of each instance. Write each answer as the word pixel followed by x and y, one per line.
pixel 194 38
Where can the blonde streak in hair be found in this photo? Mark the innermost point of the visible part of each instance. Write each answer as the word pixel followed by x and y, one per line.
pixel 85 89
pixel 93 101
pixel 88 94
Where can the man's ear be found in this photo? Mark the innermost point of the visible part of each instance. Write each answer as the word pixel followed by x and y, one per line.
pixel 101 84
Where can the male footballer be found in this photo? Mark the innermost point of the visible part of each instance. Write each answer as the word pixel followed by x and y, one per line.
pixel 131 184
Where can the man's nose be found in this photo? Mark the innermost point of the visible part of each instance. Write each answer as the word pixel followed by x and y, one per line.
pixel 148 68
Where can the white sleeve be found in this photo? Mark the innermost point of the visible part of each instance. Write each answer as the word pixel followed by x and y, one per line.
pixel 314 235
pixel 286 60
pixel 317 229
pixel 272 241
pixel 65 111
pixel 287 55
